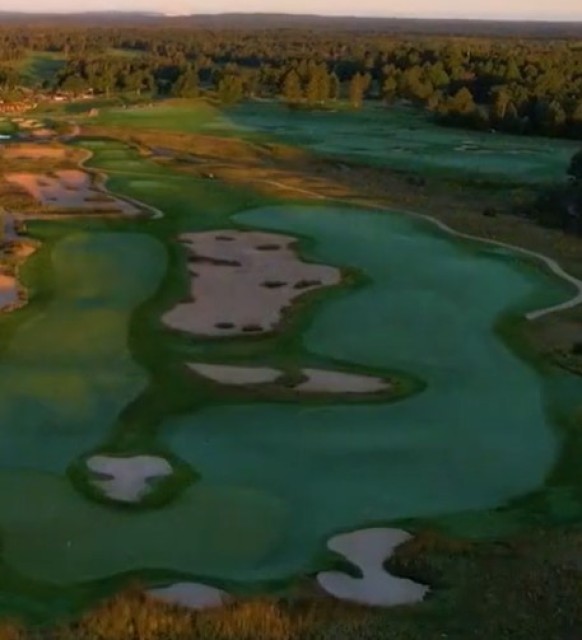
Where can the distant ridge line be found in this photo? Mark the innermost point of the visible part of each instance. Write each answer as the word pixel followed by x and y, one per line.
pixel 234 21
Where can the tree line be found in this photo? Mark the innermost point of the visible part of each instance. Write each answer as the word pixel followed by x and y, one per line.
pixel 514 85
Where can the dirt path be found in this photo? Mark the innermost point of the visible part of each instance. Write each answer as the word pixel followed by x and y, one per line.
pixel 552 264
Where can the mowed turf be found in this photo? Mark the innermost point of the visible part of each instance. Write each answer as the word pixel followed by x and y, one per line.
pixel 66 370
pixel 396 137
pixel 406 139
pixel 63 538
pixel 477 437
pixel 188 116
pixel 285 476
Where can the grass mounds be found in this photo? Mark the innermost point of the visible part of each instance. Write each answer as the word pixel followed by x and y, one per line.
pixel 65 539
pixel 66 368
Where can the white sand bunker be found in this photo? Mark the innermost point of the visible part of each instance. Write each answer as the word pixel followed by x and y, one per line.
pixel 70 189
pixel 242 281
pixel 368 549
pixel 190 595
pixel 326 381
pixel 316 380
pixel 233 375
pixel 127 478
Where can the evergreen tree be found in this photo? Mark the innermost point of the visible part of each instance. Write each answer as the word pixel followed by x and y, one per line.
pixel 334 87
pixel 230 89
pixel 357 89
pixel 318 86
pixel 186 86
pixel 292 90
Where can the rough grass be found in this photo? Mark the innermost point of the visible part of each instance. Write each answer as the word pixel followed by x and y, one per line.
pixel 527 588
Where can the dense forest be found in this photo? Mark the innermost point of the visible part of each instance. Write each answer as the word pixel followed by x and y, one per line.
pixel 518 85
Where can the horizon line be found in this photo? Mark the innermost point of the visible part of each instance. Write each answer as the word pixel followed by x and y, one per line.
pixel 434 17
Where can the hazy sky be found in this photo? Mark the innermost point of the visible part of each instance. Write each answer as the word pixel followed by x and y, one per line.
pixel 534 9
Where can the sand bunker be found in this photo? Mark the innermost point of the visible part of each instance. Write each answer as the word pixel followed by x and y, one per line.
pixel 242 281
pixel 190 595
pixel 368 549
pixel 325 381
pixel 226 374
pixel 127 478
pixel 43 133
pixel 317 380
pixel 8 292
pixel 70 189
pixel 32 152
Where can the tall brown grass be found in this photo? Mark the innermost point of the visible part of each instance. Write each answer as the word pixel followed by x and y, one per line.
pixel 134 616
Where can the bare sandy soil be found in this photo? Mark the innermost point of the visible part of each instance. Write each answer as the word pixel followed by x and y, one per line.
pixel 70 189
pixel 316 380
pixel 234 375
pixel 368 549
pixel 190 595
pixel 32 151
pixel 8 291
pixel 242 281
pixel 127 479
pixel 325 381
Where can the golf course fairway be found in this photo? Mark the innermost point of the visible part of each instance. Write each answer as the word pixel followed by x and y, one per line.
pixel 271 479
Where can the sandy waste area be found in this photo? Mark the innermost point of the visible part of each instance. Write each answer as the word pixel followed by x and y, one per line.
pixel 70 189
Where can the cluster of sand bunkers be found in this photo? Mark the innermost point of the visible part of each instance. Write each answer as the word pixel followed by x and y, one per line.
pixel 242 282
pixel 130 479
pixel 70 189
pixel 368 550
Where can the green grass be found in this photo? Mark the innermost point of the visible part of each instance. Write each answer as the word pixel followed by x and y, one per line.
pixel 284 475
pixel 403 139
pixel 66 366
pixel 188 116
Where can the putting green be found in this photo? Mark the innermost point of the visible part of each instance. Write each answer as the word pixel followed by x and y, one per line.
pixel 67 372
